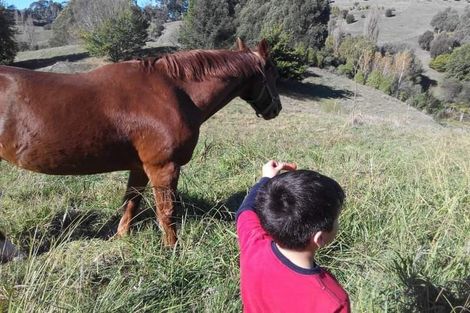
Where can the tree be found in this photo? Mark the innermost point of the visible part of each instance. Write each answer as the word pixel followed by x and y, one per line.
pixel 446 20
pixel 439 63
pixel 119 37
pixel 371 25
pixel 288 61
pixel 425 40
pixel 458 65
pixel 8 46
pixel 209 24
pixel 462 32
pixel 87 18
pixel 306 20
pixel 442 44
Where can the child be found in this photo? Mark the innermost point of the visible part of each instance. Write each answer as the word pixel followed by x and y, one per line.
pixel 281 223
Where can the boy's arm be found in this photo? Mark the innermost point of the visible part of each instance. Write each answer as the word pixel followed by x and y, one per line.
pixel 249 201
pixel 248 224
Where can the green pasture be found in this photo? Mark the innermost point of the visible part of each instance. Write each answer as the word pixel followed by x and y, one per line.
pixel 403 245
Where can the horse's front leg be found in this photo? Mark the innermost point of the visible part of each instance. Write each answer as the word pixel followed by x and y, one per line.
pixel 164 180
pixel 8 251
pixel 135 187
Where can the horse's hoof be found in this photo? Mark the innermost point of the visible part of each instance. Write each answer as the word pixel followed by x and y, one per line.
pixel 8 252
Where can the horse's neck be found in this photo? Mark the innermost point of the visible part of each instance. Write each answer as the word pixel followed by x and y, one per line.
pixel 212 95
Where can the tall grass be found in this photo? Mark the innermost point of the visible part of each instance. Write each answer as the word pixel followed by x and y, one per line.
pixel 403 245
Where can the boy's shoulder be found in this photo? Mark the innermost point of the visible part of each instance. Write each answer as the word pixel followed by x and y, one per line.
pixel 332 287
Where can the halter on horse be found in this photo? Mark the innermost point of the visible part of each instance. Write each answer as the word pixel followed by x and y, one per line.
pixel 140 116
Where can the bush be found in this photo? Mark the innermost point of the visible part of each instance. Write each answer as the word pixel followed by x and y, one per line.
pixel 462 32
pixel 389 12
pixel 8 47
pixel 426 102
pixel 458 65
pixel 307 20
pixel 387 85
pixel 353 49
pixel 425 40
pixel 464 96
pixel 346 69
pixel 439 63
pixel 289 62
pixel 209 24
pixel 350 18
pixel 446 20
pixel 374 79
pixel 442 44
pixel 360 77
pixel 451 88
pixel 118 38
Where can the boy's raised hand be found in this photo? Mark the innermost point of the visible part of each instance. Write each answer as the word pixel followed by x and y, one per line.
pixel 272 168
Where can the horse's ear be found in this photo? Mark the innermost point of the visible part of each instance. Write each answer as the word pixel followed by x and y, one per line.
pixel 241 45
pixel 263 48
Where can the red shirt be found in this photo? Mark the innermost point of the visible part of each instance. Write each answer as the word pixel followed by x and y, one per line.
pixel 271 283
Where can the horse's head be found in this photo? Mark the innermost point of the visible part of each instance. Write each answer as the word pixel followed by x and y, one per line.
pixel 262 93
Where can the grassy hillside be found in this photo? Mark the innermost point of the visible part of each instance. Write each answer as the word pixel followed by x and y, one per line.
pixel 403 245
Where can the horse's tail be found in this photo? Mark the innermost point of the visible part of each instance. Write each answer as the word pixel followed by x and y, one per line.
pixel 8 251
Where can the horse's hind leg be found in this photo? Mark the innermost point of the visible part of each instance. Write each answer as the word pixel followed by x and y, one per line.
pixel 135 187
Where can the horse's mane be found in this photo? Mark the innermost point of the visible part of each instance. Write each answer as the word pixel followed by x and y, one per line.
pixel 199 64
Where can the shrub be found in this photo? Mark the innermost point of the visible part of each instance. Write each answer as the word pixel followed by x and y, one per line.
pixel 426 102
pixel 442 44
pixel 346 69
pixel 360 77
pixel 374 79
pixel 451 88
pixel 336 11
pixel 408 89
pixel 307 20
pixel 289 62
pixel 118 38
pixel 464 96
pixel 458 65
pixel 439 63
pixel 425 40
pixel 387 84
pixel 462 32
pixel 8 47
pixel 384 83
pixel 355 50
pixel 209 24
pixel 389 13
pixel 445 20
pixel 350 18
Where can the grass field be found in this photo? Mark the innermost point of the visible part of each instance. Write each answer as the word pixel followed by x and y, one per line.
pixel 403 245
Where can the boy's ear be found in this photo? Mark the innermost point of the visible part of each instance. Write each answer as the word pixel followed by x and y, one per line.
pixel 263 48
pixel 241 45
pixel 319 239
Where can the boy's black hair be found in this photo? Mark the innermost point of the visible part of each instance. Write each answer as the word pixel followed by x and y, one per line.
pixel 295 205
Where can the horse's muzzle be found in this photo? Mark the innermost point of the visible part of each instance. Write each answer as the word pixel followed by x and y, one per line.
pixel 274 111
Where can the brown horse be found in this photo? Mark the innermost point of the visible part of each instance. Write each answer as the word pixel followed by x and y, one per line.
pixel 142 116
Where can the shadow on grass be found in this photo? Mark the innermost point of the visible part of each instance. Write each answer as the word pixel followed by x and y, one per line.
pixel 309 91
pixel 40 63
pixel 426 296
pixel 75 224
pixel 154 52
pixel 33 64
pixel 426 82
